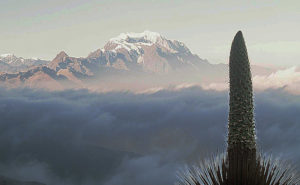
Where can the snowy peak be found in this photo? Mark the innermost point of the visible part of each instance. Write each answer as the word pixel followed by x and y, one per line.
pixel 137 42
pixel 10 58
pixel 6 55
pixel 144 37
pixel 13 60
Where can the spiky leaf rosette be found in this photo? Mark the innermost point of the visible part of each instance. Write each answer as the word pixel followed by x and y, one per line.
pixel 215 171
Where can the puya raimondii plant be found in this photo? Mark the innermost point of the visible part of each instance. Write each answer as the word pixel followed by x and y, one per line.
pixel 240 165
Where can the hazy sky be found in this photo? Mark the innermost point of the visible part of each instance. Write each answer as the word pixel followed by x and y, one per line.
pixel 42 28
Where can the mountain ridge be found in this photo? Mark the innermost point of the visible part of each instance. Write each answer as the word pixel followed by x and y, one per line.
pixel 10 63
pixel 146 53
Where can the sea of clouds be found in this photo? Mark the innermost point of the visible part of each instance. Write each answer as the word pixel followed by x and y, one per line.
pixel 84 138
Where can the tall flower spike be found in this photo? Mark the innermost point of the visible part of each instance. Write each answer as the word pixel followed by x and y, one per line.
pixel 241 122
pixel 241 165
pixel 241 135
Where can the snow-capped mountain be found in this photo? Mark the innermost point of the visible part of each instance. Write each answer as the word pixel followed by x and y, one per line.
pixel 146 53
pixel 12 63
pixel 136 41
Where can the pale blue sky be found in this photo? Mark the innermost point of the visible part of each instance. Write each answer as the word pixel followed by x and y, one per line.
pixel 42 28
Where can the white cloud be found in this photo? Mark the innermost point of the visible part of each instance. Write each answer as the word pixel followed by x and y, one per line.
pixel 288 79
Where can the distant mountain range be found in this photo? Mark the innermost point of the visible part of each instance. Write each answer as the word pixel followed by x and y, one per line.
pixel 9 63
pixel 130 53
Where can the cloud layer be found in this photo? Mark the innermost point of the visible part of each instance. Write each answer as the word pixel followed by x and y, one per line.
pixel 78 137
pixel 286 79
